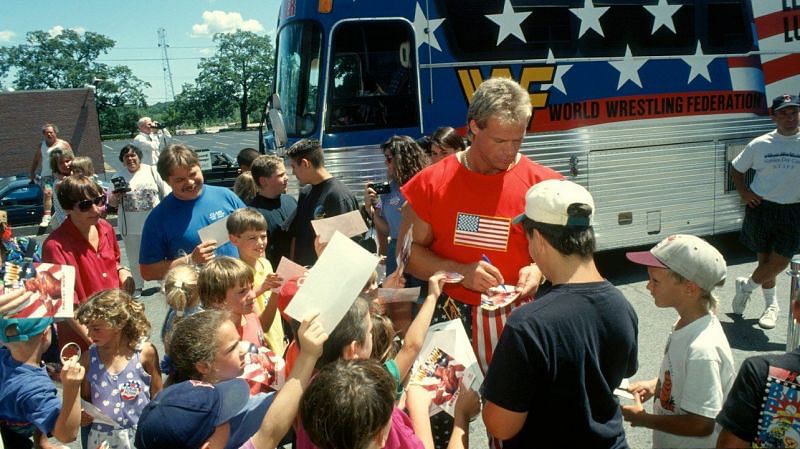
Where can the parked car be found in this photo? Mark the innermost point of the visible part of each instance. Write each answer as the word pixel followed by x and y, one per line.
pixel 224 170
pixel 22 201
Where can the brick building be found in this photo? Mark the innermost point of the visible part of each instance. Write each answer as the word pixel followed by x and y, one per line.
pixel 22 114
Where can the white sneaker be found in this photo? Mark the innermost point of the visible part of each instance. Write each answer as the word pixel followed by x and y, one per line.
pixel 45 221
pixel 741 297
pixel 137 293
pixel 769 317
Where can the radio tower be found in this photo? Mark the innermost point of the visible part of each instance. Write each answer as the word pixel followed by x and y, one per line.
pixel 169 89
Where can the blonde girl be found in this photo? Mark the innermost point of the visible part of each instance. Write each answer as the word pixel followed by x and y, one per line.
pixel 121 368
pixel 183 298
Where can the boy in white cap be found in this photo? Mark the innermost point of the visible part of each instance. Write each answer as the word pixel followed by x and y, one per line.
pixel 570 347
pixel 697 369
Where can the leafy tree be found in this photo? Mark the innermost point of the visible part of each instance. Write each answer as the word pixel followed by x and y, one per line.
pixel 69 60
pixel 4 65
pixel 239 74
pixel 197 106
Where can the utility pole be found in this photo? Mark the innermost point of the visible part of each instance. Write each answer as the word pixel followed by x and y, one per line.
pixel 169 88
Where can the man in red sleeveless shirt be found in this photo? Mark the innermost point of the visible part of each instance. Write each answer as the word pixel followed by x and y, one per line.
pixel 462 210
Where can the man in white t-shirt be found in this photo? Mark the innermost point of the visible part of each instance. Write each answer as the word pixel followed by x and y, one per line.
pixel 151 140
pixel 771 224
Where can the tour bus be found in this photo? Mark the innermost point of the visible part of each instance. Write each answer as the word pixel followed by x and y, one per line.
pixel 644 102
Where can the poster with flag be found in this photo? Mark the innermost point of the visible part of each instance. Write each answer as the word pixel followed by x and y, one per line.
pixel 52 288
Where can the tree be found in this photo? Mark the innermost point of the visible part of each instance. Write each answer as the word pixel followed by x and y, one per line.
pixel 69 60
pixel 4 65
pixel 239 74
pixel 195 106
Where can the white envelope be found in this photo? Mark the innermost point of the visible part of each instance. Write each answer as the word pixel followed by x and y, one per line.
pixel 215 231
pixel 98 416
pixel 333 283
pixel 287 269
pixel 350 224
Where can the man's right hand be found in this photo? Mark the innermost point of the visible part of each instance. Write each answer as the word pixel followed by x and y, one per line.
pixel 750 198
pixel 481 276
pixel 204 252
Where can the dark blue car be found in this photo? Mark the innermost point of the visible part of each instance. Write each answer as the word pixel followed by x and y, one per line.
pixel 22 200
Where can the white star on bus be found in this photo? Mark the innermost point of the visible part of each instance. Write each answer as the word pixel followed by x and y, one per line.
pixel 509 22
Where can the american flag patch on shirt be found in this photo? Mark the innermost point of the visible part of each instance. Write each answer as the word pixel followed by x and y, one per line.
pixel 481 231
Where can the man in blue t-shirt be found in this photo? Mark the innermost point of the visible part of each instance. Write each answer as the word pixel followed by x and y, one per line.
pixel 170 234
pixel 570 347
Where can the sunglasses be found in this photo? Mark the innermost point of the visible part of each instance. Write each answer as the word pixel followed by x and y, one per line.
pixel 85 205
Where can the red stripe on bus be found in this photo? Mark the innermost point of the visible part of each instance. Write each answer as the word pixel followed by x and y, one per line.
pixel 744 61
pixel 781 68
pixel 772 24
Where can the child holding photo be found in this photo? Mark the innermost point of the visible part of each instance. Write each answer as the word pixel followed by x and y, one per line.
pixel 399 362
pixel 29 402
pixel 247 230
pixel 697 369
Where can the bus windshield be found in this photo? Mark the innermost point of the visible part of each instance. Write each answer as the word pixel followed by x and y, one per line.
pixel 297 79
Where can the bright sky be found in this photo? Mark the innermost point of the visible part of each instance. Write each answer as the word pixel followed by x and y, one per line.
pixel 133 25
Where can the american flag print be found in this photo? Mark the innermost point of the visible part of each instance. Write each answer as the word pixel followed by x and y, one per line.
pixel 480 231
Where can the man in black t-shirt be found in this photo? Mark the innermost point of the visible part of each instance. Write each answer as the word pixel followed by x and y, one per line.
pixel 763 406
pixel 570 347
pixel 322 196
pixel 275 205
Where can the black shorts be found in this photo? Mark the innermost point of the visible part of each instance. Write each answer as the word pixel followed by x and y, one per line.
pixel 772 227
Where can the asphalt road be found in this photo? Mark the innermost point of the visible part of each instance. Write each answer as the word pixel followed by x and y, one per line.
pixel 745 337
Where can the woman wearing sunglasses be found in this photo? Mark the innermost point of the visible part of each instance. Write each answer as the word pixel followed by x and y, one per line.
pixel 87 242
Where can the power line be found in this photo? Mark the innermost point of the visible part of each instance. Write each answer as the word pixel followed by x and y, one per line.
pixel 147 59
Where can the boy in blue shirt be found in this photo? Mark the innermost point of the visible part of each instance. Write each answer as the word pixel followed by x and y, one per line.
pixel 29 399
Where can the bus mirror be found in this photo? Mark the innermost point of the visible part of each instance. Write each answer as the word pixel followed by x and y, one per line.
pixel 276 101
pixel 278 128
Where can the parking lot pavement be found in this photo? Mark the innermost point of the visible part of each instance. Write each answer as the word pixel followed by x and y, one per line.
pixel 230 142
pixel 745 337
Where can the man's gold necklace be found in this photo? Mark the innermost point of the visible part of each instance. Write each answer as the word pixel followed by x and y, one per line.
pixel 465 161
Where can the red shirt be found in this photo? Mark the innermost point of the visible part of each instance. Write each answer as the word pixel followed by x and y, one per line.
pixel 470 215
pixel 95 270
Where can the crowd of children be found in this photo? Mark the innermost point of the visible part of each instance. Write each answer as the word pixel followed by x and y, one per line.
pixel 224 312
pixel 242 374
